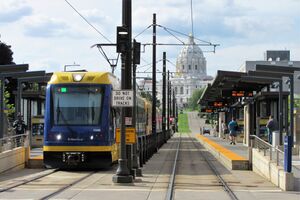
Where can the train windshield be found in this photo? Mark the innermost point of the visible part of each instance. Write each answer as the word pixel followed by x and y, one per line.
pixel 77 105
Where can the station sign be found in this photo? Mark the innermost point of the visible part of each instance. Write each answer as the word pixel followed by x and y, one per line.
pixel 242 93
pixel 217 104
pixel 206 110
pixel 122 98
pixel 130 136
pixel 237 93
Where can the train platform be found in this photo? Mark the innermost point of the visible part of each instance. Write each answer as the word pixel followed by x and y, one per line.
pixel 194 179
pixel 35 159
pixel 234 157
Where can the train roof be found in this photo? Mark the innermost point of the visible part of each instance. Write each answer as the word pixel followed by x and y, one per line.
pixel 84 78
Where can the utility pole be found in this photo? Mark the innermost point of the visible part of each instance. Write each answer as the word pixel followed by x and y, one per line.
pixel 164 98
pixel 154 79
pixel 168 103
pixel 123 174
pixel 2 107
pixel 136 60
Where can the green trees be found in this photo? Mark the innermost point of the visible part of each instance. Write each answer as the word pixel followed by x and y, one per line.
pixel 192 104
pixel 6 58
pixel 6 54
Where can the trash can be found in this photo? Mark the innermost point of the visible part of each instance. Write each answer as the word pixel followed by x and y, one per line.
pixel 275 138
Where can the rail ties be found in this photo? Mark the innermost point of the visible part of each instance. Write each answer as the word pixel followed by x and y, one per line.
pixel 226 187
pixel 66 187
pixel 170 190
pixel 28 181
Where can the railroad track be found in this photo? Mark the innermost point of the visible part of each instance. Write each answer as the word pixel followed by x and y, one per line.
pixel 68 185
pixel 161 169
pixel 172 183
pixel 28 180
pixel 56 192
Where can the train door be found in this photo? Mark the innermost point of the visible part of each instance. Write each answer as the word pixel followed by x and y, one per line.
pixel 37 131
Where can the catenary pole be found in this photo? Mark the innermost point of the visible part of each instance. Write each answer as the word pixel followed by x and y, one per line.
pixel 123 174
pixel 154 79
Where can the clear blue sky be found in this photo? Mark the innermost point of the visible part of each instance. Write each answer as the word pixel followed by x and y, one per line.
pixel 49 34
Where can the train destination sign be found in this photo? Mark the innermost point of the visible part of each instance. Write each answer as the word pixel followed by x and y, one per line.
pixel 237 93
pixel 206 110
pixel 241 94
pixel 122 98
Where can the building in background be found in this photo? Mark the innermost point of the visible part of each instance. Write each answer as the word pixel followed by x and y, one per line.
pixel 276 58
pixel 190 73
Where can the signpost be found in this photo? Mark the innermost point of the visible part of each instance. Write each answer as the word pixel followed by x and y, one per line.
pixel 122 98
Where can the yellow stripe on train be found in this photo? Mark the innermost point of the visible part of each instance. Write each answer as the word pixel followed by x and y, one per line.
pixel 87 77
pixel 80 148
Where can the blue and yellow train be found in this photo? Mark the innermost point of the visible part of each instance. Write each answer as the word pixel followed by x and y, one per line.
pixel 80 124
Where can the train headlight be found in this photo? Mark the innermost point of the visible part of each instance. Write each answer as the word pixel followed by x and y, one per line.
pixel 58 137
pixel 91 137
pixel 77 77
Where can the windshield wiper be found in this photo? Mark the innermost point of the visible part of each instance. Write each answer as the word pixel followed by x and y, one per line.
pixel 57 112
pixel 93 112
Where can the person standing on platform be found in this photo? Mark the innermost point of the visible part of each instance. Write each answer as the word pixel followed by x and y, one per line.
pixel 233 127
pixel 224 130
pixel 272 126
pixel 20 128
pixel 19 125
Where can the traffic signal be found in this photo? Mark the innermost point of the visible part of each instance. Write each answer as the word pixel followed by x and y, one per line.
pixel 122 39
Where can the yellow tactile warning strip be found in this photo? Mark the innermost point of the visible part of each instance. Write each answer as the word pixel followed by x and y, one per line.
pixel 227 153
pixel 40 157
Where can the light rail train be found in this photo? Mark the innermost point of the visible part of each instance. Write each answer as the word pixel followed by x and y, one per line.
pixel 80 123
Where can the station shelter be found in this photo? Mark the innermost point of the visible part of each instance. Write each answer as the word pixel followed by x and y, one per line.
pixel 251 100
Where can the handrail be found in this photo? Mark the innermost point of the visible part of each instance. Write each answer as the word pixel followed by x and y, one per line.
pixel 11 142
pixel 267 149
pixel 12 137
pixel 261 140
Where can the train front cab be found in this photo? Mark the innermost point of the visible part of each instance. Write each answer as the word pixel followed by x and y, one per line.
pixel 79 122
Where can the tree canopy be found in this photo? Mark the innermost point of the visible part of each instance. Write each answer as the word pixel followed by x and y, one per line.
pixel 192 104
pixel 6 54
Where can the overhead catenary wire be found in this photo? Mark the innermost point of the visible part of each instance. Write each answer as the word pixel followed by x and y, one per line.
pixel 143 31
pixel 88 21
pixel 184 34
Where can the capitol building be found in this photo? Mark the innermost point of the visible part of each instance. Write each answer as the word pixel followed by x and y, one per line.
pixel 190 73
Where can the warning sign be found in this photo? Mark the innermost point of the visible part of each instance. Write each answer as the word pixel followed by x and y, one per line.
pixel 122 98
pixel 130 136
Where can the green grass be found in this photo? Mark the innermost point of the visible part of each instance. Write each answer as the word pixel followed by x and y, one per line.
pixel 183 123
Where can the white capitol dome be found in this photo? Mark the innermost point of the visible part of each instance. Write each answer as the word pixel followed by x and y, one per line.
pixel 191 61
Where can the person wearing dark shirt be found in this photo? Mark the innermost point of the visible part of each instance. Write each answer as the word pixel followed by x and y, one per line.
pixel 272 125
pixel 19 125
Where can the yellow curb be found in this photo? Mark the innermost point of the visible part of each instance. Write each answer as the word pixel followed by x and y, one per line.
pixel 226 152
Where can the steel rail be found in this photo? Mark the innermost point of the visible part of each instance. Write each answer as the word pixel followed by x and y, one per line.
pixel 215 171
pixel 66 187
pixel 160 171
pixel 27 181
pixel 170 191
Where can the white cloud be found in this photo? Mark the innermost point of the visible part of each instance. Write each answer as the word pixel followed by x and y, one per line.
pixel 95 16
pixel 13 10
pixel 54 35
pixel 42 26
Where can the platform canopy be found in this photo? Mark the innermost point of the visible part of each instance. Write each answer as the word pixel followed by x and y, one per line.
pixel 228 82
